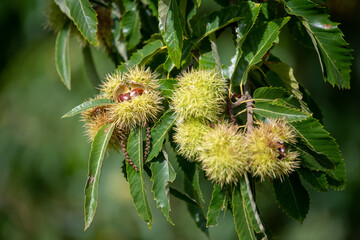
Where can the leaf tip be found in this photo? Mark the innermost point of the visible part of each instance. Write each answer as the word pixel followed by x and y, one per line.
pixel 149 223
pixel 66 115
pixel 68 85
pixel 87 224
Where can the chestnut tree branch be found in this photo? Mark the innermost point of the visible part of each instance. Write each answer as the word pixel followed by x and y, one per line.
pixel 250 113
pixel 248 100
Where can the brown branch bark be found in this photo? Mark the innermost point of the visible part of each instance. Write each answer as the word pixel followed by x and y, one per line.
pixel 239 101
pixel 250 113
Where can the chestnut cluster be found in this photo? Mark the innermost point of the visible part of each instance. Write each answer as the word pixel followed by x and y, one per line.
pixel 225 151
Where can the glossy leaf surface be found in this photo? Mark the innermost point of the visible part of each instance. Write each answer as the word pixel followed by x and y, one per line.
pixel 84 17
pixel 242 222
pixel 130 24
pixel 292 196
pixel 88 105
pixel 275 110
pixel 314 178
pixel 139 57
pixel 217 204
pixel 158 133
pixel 171 29
pixel 62 61
pixel 259 40
pixel 245 13
pixel 162 175
pixel 136 180
pixel 334 53
pixel 97 154
pixel 318 139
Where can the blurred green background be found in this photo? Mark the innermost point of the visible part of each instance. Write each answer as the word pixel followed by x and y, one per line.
pixel 43 164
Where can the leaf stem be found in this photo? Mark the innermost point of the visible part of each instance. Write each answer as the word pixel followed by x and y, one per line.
pixel 250 113
pixel 242 111
pixel 240 101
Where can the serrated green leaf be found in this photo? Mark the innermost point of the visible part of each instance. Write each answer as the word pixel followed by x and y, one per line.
pixel 191 10
pixel 336 178
pixel 84 17
pixel 244 26
pixel 186 55
pixel 158 133
pixel 153 7
pixel 299 33
pixel 312 159
pixel 278 111
pixel 273 93
pixel 207 61
pixel 259 40
pixel 196 212
pixel 168 65
pixel 319 140
pixel 191 172
pixel 183 197
pixel 242 223
pixel 215 53
pixel 311 103
pixel 62 55
pixel 333 51
pixel 315 178
pixel 217 204
pixel 242 30
pixel 130 25
pixel 167 87
pixel 97 153
pixel 88 105
pixel 162 175
pixel 63 7
pixel 292 196
pixel 286 74
pixel 208 24
pixel 171 29
pixel 157 62
pixel 192 188
pixel 90 66
pixel 136 181
pixel 249 204
pixel 140 56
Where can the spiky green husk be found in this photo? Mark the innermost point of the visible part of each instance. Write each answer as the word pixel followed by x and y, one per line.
pixel 264 145
pixel 222 154
pixel 138 111
pixel 111 82
pixel 199 94
pixel 94 119
pixel 135 74
pixel 142 75
pixel 189 135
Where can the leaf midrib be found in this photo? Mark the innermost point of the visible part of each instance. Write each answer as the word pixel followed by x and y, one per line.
pixel 258 52
pixel 161 138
